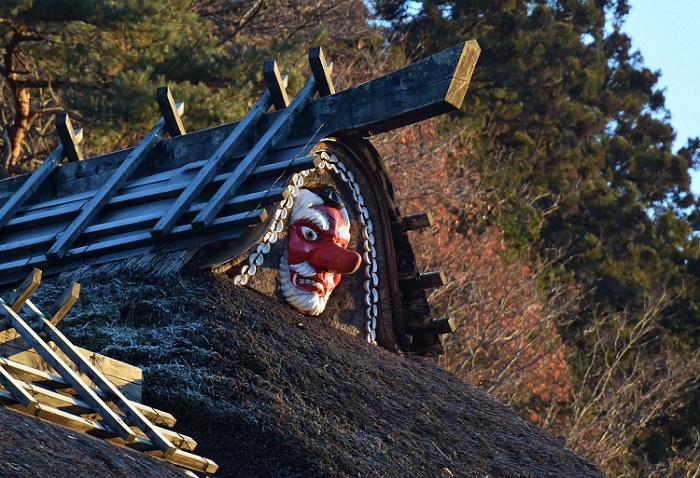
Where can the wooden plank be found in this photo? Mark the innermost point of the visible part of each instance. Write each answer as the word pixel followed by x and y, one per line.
pixel 275 132
pixel 114 422
pixel 64 303
pixel 69 140
pixel 275 85
pixel 51 381
pixel 37 178
pixel 15 388
pixel 322 71
pixel 169 111
pixel 106 192
pixel 25 289
pixel 209 170
pixel 98 378
pixel 433 279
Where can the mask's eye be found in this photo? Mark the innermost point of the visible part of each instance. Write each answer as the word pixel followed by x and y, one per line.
pixel 309 234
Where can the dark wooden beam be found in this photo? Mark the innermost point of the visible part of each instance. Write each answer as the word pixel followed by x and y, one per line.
pixel 419 220
pixel 435 327
pixel 212 166
pixel 170 112
pixel 427 88
pixel 277 130
pixel 69 139
pixel 35 181
pixel 276 85
pixel 322 71
pixel 106 192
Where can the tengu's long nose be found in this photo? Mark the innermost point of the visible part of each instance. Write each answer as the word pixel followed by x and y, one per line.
pixel 333 258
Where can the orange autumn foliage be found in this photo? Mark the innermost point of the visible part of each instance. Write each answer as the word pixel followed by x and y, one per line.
pixel 506 339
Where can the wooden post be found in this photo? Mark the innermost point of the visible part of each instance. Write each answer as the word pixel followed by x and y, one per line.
pixel 107 191
pixel 430 280
pixel 419 220
pixel 171 112
pixel 34 182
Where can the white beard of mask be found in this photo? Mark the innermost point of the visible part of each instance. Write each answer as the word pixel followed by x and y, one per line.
pixel 306 302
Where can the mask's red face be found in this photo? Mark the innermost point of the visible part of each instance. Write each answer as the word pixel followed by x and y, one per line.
pixel 325 251
pixel 317 254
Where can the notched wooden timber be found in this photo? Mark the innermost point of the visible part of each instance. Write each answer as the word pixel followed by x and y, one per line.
pixel 427 88
pixel 69 139
pixel 435 327
pixel 276 84
pixel 419 220
pixel 322 71
pixel 169 111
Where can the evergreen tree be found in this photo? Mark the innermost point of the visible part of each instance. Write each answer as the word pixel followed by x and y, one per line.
pixel 569 130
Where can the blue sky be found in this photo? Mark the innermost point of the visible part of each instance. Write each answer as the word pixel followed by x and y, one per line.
pixel 667 33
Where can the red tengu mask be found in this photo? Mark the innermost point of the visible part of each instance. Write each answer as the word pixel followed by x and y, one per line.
pixel 317 254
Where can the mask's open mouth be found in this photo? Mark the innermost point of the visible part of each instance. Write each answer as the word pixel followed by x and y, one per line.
pixel 314 284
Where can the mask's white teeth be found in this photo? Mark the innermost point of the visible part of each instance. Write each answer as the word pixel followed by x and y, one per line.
pixel 303 269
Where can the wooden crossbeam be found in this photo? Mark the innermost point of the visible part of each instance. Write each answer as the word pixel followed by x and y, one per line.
pixel 275 132
pixel 69 140
pixel 86 393
pixel 64 303
pixel 34 182
pixel 15 388
pixel 107 191
pixel 169 111
pixel 209 170
pixel 276 85
pixel 87 368
pixel 322 71
pixel 25 290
